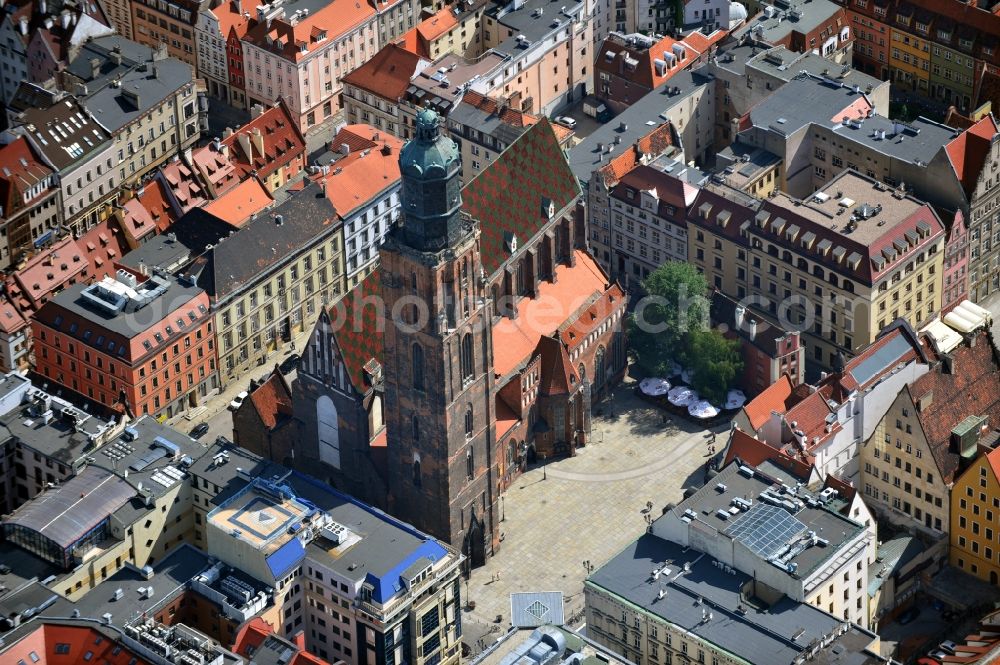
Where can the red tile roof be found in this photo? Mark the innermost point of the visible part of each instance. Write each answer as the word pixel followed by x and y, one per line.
pixel 74 641
pixel 969 389
pixel 507 197
pixel 240 203
pixel 153 196
pixel 254 633
pixel 809 418
pixel 279 141
pixel 49 271
pixel 557 375
pixel 645 72
pixel 753 451
pixel 20 170
pixel 335 18
pixel 11 320
pixel 184 183
pixel 506 113
pixel 968 152
pixel 515 340
pixel 388 73
pixel 136 221
pixel 776 397
pixel 436 25
pixel 506 418
pixel 654 143
pixel 273 400
pixel 354 180
pixel 216 169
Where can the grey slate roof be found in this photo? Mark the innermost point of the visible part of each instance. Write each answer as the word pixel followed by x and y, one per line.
pixel 487 123
pixel 152 80
pixel 260 244
pixel 808 99
pixel 640 119
pixel 752 632
pixel 523 21
pixel 808 15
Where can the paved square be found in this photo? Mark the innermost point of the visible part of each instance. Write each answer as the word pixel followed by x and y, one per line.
pixel 587 508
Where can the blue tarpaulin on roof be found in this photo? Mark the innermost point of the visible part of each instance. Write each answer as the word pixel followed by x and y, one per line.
pixel 285 558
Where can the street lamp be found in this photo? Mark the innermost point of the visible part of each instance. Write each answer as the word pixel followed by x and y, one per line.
pixel 544 474
pixel 503 514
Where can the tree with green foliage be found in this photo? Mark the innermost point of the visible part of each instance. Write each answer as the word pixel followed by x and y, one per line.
pixel 674 305
pixel 716 362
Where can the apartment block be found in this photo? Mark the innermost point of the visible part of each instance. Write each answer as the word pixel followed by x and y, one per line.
pixel 263 290
pixel 92 522
pixel 550 52
pixel 147 102
pixel 300 51
pixel 170 26
pixel 87 178
pixel 825 262
pixel 452 29
pixel 911 462
pixel 364 187
pixel 374 91
pixel 628 67
pixel 929 47
pixel 30 201
pixel 142 343
pixel 802 26
pixel 727 596
pixel 483 127
pixel 212 28
pixel 975 499
pixel 369 588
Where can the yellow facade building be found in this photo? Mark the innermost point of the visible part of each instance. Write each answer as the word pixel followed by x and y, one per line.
pixel 975 503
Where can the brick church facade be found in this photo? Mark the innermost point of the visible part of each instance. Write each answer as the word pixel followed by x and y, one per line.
pixel 476 347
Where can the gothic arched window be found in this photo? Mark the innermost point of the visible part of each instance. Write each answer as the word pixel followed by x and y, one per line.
pixel 600 371
pixel 416 472
pixel 415 428
pixel 417 362
pixel 468 362
pixel 468 421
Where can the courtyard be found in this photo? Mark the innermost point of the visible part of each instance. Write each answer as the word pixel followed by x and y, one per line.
pixel 585 509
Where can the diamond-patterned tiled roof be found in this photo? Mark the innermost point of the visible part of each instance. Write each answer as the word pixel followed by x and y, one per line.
pixel 358 330
pixel 507 196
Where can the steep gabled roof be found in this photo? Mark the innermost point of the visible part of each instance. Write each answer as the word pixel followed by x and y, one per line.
pixel 969 151
pixel 506 198
pixel 970 388
pixel 776 397
pixel 754 452
pixel 557 375
pixel 387 73
pixel 273 400
pixel 358 327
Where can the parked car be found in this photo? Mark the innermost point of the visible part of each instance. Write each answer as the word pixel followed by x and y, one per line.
pixel 223 441
pixel 566 121
pixel 289 363
pixel 938 655
pixel 948 646
pixel 199 431
pixel 238 401
pixel 909 615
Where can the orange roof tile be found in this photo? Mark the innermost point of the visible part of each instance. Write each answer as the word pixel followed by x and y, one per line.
pixel 136 221
pixel 238 204
pixel 773 398
pixel 74 641
pixel 514 340
pixel 11 320
pixel 388 73
pixel 50 270
pixel 336 18
pixel 969 150
pixel 753 451
pixel 272 400
pixel 184 184
pixel 411 42
pixel 506 418
pixel 153 196
pixel 437 25
pixel 359 177
pixel 654 143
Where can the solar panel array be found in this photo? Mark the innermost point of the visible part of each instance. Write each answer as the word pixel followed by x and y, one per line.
pixel 167 476
pixel 884 357
pixel 117 450
pixel 765 529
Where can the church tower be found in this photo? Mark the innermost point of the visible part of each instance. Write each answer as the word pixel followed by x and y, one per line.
pixel 442 475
